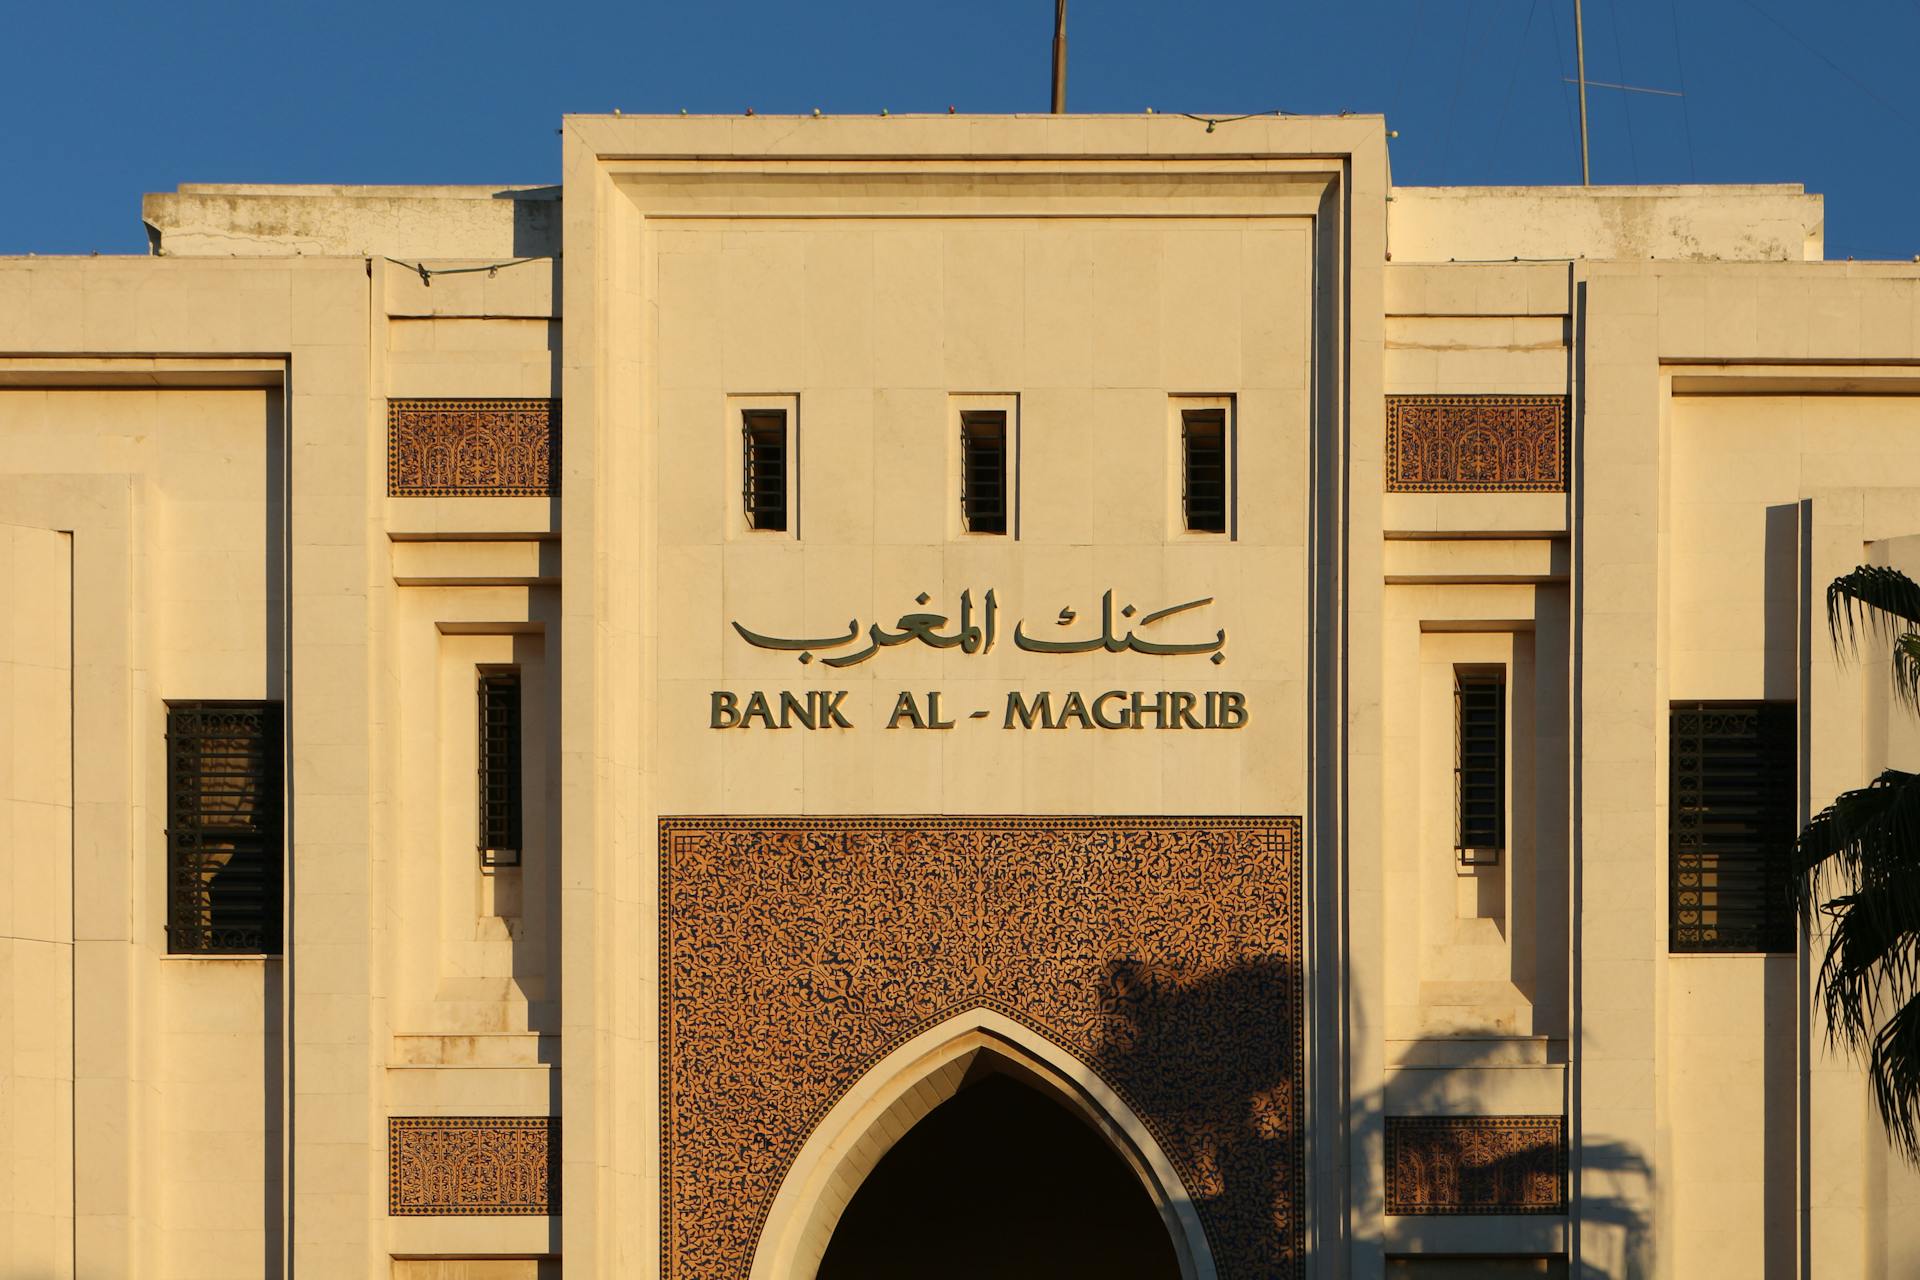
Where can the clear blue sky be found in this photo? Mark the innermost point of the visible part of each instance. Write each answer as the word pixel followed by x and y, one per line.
pixel 102 102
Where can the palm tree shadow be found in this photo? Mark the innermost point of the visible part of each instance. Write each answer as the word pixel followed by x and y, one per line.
pixel 1214 1063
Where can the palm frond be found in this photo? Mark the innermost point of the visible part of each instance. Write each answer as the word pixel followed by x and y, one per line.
pixel 1872 596
pixel 1906 670
pixel 1863 838
pixel 1872 960
pixel 1894 1066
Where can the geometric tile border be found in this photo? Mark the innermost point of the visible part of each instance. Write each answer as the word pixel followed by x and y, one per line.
pixel 1476 1164
pixel 473 448
pixel 472 1165
pixel 1476 444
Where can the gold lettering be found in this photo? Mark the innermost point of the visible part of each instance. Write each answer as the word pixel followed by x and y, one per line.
pixel 904 705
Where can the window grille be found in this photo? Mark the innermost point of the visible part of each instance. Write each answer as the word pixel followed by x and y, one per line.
pixel 1203 451
pixel 225 827
pixel 983 471
pixel 1480 766
pixel 1731 826
pixel 499 767
pixel 764 469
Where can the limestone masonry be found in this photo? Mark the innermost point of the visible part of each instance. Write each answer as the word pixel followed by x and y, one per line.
pixel 831 696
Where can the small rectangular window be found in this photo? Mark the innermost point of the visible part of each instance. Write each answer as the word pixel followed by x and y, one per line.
pixel 1480 766
pixel 499 767
pixel 763 434
pixel 1731 826
pixel 225 827
pixel 1203 456
pixel 983 471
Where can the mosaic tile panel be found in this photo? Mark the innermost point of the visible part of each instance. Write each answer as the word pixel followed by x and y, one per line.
pixel 1163 952
pixel 473 448
pixel 472 1165
pixel 1476 444
pixel 1476 1164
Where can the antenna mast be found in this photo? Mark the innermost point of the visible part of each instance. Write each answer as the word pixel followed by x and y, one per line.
pixel 1059 57
pixel 1580 53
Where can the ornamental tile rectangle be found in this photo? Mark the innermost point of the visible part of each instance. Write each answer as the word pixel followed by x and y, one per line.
pixel 473 448
pixel 479 1165
pixel 1476 1164
pixel 1477 444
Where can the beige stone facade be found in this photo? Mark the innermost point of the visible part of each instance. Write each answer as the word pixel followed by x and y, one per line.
pixel 830 801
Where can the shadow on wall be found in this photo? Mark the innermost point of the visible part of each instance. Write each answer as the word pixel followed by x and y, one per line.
pixel 536 222
pixel 1208 1062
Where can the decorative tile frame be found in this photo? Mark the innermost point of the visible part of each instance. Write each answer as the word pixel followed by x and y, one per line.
pixel 485 1165
pixel 473 448
pixel 1476 1164
pixel 1477 444
pixel 1165 953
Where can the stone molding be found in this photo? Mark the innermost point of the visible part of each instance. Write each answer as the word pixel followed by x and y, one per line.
pixel 1476 1164
pixel 1164 953
pixel 473 448
pixel 491 1165
pixel 1477 444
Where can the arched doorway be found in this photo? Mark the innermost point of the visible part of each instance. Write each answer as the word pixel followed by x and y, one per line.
pixel 1001 1180
pixel 978 1048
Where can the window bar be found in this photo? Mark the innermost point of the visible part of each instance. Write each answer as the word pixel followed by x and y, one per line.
pixel 764 468
pixel 1480 767
pixel 225 827
pixel 1203 441
pixel 983 471
pixel 1731 826
pixel 499 768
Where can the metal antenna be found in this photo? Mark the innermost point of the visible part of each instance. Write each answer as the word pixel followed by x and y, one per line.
pixel 1580 53
pixel 1059 57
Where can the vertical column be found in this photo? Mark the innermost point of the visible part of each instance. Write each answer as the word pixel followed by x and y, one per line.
pixel 1618 929
pixel 1358 805
pixel 37 1200
pixel 337 1141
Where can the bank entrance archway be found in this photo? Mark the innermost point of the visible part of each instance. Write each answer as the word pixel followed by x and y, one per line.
pixel 1001 1180
pixel 979 1079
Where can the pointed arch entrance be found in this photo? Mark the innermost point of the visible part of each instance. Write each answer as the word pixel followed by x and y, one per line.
pixel 922 1075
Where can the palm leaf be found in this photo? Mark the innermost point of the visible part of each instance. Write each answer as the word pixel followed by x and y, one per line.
pixel 1863 838
pixel 1874 596
pixel 1894 1067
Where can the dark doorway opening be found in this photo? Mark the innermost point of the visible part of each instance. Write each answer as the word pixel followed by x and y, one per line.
pixel 1001 1181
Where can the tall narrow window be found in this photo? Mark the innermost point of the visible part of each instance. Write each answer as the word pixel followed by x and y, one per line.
pixel 1480 766
pixel 1203 457
pixel 225 827
pixel 763 434
pixel 1730 826
pixel 499 766
pixel 983 471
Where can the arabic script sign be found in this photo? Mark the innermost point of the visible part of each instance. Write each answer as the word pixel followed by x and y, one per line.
pixel 1120 632
pixel 971 637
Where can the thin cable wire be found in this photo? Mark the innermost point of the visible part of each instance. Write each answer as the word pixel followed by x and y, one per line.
pixel 1459 83
pixel 492 268
pixel 1686 112
pixel 1851 78
pixel 1500 124
pixel 1406 59
pixel 1211 121
pixel 1626 104
pixel 1560 56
